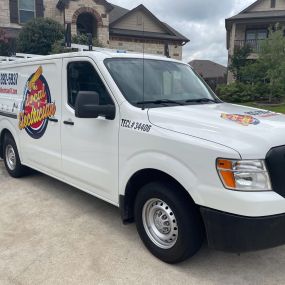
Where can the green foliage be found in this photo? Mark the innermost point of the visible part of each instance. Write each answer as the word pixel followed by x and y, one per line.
pixel 39 35
pixel 272 62
pixel 236 92
pixel 238 61
pixel 6 45
pixel 262 79
pixel 59 47
pixel 82 39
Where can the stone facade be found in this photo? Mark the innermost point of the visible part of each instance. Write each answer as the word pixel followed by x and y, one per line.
pixel 73 9
pixel 149 47
pixel 5 16
pixel 50 11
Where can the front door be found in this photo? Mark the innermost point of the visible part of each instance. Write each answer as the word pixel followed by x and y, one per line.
pixel 89 146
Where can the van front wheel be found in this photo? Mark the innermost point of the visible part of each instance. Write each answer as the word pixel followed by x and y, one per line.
pixel 12 159
pixel 169 225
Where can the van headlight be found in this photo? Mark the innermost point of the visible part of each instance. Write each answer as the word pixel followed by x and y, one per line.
pixel 244 175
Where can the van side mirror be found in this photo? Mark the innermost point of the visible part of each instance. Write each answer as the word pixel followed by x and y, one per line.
pixel 87 106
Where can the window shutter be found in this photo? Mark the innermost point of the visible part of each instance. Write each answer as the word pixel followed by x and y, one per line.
pixel 14 12
pixel 39 8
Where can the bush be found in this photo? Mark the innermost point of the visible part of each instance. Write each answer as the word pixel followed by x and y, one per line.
pixel 6 45
pixel 236 92
pixel 59 46
pixel 39 35
pixel 4 48
pixel 82 39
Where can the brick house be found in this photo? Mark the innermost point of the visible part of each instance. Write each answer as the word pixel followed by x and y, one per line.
pixel 114 26
pixel 250 27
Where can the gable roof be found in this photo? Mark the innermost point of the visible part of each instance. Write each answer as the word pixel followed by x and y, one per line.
pixel 247 13
pixel 259 15
pixel 118 14
pixel 143 9
pixel 208 68
pixel 250 6
pixel 62 4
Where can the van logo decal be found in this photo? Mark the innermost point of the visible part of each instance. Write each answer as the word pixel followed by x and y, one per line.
pixel 37 106
pixel 244 120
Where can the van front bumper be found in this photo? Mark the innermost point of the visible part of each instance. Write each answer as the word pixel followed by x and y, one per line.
pixel 233 233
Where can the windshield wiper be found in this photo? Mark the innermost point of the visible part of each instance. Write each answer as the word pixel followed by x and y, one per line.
pixel 161 101
pixel 201 100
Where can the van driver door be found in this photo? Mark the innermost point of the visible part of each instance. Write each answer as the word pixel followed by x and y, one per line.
pixel 89 146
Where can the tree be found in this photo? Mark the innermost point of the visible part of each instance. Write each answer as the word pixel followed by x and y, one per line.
pixel 272 61
pixel 238 61
pixel 39 35
pixel 264 76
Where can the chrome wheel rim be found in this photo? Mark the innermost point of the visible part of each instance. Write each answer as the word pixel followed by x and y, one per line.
pixel 160 223
pixel 10 157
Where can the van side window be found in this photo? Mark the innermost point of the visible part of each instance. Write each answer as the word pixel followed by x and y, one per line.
pixel 81 76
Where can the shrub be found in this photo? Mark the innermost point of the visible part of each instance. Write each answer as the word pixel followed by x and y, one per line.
pixel 39 35
pixel 6 45
pixel 236 92
pixel 82 39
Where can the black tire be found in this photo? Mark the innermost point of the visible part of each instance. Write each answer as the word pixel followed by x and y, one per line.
pixel 190 232
pixel 19 170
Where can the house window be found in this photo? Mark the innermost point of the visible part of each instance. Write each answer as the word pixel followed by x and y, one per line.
pixel 254 35
pixel 273 3
pixel 254 38
pixel 26 10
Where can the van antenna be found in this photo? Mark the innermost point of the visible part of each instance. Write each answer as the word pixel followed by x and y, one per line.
pixel 143 106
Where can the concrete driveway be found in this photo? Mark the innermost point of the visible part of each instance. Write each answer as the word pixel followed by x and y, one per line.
pixel 51 233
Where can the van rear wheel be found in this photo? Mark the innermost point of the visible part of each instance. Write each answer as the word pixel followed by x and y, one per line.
pixel 11 158
pixel 169 225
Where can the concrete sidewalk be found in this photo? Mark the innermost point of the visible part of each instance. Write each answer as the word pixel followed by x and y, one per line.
pixel 51 233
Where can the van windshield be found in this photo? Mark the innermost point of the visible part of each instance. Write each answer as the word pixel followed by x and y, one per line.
pixel 165 83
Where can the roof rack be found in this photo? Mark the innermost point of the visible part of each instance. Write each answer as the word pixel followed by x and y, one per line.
pixel 16 57
pixel 86 48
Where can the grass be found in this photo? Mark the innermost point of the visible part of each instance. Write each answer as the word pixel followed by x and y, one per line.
pixel 277 109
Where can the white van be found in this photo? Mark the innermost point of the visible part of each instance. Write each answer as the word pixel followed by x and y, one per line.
pixel 146 134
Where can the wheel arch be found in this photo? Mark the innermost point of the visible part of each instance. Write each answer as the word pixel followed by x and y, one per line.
pixel 2 136
pixel 7 130
pixel 137 181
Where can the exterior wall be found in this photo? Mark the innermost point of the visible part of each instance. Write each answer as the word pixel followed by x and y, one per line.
pixel 90 6
pixel 240 32
pixel 5 15
pixel 150 47
pixel 4 12
pixel 266 6
pixel 52 12
pixel 135 20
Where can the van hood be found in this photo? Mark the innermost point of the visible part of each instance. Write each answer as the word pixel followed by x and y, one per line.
pixel 251 132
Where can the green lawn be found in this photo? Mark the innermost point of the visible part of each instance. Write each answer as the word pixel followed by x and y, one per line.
pixel 278 109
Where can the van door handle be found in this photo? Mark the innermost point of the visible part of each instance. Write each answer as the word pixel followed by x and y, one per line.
pixel 70 123
pixel 53 120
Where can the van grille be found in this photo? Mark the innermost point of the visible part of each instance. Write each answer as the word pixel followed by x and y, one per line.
pixel 275 162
